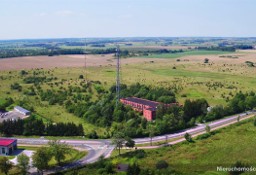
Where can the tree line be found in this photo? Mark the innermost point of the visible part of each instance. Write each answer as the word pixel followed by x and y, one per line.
pixel 32 126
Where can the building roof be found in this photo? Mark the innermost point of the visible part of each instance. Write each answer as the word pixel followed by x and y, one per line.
pixel 6 142
pixel 142 101
pixel 21 109
pixel 151 109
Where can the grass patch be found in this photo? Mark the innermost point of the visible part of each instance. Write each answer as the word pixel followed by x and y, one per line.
pixel 72 157
pixel 186 53
pixel 202 157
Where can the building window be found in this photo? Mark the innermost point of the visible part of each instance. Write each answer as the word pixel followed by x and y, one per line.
pixel 3 150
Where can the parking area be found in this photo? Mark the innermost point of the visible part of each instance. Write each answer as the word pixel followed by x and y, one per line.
pixel 11 115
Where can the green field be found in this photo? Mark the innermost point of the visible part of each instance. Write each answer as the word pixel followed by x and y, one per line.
pixel 187 53
pixel 217 81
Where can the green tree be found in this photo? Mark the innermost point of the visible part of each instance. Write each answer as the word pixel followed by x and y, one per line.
pixel 41 159
pixel 5 165
pixel 152 132
pixel 208 129
pixel 129 142
pixel 118 140
pixel 188 137
pixel 23 163
pixel 59 150
pixel 238 118
pixel 81 77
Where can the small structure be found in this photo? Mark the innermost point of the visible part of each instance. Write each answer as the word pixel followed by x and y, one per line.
pixel 122 167
pixel 7 146
pixel 22 110
pixel 147 107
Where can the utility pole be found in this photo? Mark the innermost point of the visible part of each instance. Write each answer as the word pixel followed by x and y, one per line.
pixel 117 74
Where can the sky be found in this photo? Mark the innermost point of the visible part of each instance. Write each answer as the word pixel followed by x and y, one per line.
pixel 30 19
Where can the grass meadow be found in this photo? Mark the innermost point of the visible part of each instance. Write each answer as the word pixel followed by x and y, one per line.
pixel 223 148
pixel 190 78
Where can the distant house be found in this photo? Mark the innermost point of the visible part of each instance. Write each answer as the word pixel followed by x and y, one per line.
pixel 147 107
pixel 22 110
pixel 7 146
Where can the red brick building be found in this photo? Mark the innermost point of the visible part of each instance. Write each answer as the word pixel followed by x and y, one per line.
pixel 147 107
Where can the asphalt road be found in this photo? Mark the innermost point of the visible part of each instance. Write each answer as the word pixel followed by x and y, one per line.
pixel 197 129
pixel 97 148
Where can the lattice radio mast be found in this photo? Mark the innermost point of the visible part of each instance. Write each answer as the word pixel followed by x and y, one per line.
pixel 85 61
pixel 117 74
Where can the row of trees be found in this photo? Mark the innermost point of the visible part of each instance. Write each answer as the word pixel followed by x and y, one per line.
pixel 218 48
pixel 51 51
pixel 239 103
pixel 33 126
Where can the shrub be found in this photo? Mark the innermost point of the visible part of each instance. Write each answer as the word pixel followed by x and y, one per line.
pixel 203 136
pixel 188 137
pixel 81 77
pixel 161 164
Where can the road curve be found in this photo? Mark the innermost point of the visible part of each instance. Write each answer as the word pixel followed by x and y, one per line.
pixel 97 148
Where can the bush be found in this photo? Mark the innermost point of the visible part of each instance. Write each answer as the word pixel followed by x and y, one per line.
pixel 140 154
pixel 188 137
pixel 93 135
pixel 81 77
pixel 238 165
pixel 161 164
pixel 203 136
pixel 254 123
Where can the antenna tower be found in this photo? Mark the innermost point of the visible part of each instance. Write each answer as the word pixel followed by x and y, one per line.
pixel 117 74
pixel 85 61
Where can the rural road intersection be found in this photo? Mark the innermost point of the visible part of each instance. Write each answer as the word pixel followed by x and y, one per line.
pixel 98 148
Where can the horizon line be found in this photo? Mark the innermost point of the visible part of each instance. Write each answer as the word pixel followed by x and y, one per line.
pixel 122 37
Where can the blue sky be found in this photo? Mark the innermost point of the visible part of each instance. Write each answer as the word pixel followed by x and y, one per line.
pixel 126 18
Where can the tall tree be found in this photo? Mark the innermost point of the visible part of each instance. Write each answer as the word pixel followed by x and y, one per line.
pixel 129 142
pixel 41 159
pixel 23 163
pixel 208 129
pixel 5 165
pixel 118 140
pixel 152 132
pixel 59 150
pixel 188 137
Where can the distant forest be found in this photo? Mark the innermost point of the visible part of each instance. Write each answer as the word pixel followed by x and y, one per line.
pixel 51 47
